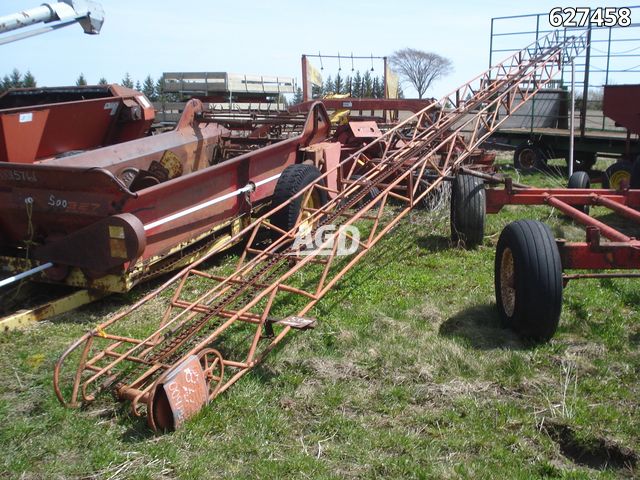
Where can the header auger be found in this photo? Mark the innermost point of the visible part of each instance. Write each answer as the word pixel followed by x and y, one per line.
pixel 214 329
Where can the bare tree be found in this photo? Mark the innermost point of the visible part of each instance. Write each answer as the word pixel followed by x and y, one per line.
pixel 420 68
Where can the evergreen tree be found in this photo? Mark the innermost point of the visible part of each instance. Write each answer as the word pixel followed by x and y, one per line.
pixel 400 92
pixel 375 87
pixel 126 81
pixel 348 85
pixel 367 85
pixel 159 90
pixel 103 81
pixel 15 78
pixel 378 87
pixel 356 88
pixel 316 91
pixel 149 89
pixel 329 87
pixel 6 83
pixel 138 85
pixel 28 81
pixel 81 80
pixel 297 97
pixel 338 85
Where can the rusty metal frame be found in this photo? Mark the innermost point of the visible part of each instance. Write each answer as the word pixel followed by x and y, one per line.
pixel 619 252
pixel 269 274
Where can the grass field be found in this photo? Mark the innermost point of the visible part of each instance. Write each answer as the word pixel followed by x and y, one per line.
pixel 408 374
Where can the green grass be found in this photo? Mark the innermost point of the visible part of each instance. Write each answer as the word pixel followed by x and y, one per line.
pixel 407 375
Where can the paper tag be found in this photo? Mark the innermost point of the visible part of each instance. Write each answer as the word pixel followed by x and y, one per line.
pixel 113 106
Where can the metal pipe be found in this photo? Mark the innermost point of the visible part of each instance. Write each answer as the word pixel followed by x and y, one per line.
pixel 491 45
pixel 247 188
pixel 306 95
pixel 28 273
pixel 533 100
pixel 572 115
pixel 44 13
pixel 578 276
pixel 620 209
pixel 585 86
pixel 33 32
pixel 606 78
pixel 583 218
pixel 88 13
pixel 357 57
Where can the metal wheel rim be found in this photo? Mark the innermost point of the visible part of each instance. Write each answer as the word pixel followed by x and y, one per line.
pixel 527 158
pixel 310 203
pixel 618 178
pixel 507 282
pixel 213 368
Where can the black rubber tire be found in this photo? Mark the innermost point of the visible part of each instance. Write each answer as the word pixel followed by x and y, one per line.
pixel 528 157
pixel 468 210
pixel 635 175
pixel 580 180
pixel 293 179
pixel 614 171
pixel 532 303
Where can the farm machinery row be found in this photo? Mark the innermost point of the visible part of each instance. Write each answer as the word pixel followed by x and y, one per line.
pixel 91 200
pixel 216 328
pixel 114 206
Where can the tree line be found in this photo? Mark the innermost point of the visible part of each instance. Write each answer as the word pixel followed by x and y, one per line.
pixel 420 69
pixel 152 89
pixel 356 86
pixel 17 80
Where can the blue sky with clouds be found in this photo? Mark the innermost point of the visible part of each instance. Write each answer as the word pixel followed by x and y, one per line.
pixel 261 37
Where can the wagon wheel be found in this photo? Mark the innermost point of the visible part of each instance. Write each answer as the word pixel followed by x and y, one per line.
pixel 618 175
pixel 293 179
pixel 437 196
pixel 468 210
pixel 528 279
pixel 529 157
pixel 213 368
pixel 580 180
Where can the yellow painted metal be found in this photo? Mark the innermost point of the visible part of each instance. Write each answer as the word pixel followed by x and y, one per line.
pixel 24 318
pixel 216 246
pixel 341 116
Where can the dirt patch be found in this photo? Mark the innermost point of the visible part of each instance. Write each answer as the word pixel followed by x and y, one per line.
pixel 428 312
pixel 589 350
pixel 326 368
pixel 595 452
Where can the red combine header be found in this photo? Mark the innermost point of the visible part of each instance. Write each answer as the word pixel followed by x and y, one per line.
pixel 39 124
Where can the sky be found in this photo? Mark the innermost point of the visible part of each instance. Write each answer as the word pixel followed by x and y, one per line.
pixel 265 37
